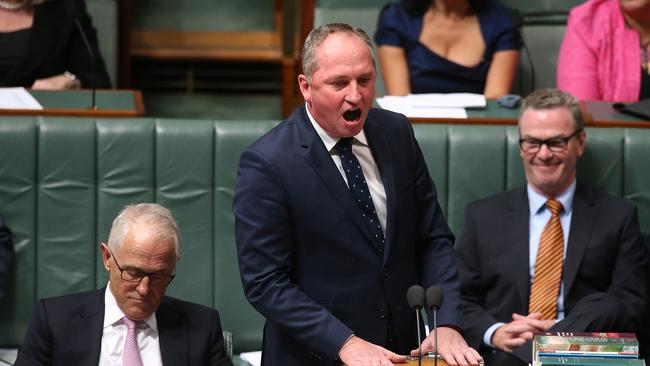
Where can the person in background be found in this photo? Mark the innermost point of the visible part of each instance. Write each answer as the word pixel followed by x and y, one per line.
pixel 555 255
pixel 42 47
pixel 605 54
pixel 130 321
pixel 6 256
pixel 447 46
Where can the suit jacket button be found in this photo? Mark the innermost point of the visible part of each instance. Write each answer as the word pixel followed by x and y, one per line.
pixel 381 314
pixel 386 273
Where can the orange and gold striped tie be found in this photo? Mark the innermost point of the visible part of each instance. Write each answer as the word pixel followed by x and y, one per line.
pixel 548 266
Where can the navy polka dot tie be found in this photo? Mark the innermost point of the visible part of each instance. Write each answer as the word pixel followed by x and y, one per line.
pixel 359 189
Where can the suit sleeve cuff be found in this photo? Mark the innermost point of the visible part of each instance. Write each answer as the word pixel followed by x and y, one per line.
pixel 487 337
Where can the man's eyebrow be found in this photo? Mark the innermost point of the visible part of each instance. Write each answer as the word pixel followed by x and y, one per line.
pixel 132 268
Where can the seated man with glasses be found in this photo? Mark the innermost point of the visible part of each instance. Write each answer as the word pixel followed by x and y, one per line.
pixel 555 255
pixel 129 322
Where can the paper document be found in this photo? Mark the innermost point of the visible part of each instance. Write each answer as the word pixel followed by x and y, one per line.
pixel 17 98
pixel 433 105
pixel 254 358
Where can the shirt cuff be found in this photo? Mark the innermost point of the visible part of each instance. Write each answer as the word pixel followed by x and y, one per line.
pixel 487 337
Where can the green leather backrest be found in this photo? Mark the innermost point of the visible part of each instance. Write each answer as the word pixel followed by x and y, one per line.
pixel 470 162
pixel 63 180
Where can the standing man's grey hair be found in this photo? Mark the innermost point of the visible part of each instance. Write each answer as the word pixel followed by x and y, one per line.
pixel 160 221
pixel 318 35
pixel 554 98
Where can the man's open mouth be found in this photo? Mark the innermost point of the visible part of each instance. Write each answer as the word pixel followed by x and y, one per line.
pixel 352 115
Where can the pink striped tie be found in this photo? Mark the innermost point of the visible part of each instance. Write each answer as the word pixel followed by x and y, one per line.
pixel 131 352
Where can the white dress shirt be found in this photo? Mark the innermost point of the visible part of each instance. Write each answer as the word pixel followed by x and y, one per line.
pixel 362 151
pixel 114 335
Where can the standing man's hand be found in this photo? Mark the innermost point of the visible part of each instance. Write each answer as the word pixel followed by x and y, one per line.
pixel 453 348
pixel 357 352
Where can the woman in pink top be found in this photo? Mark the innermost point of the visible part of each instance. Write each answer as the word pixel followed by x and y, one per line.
pixel 606 51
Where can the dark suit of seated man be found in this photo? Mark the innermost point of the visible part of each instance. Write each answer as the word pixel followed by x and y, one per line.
pixel 130 321
pixel 526 268
pixel 6 257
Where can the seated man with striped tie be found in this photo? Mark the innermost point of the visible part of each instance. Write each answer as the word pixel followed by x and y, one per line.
pixel 129 322
pixel 554 255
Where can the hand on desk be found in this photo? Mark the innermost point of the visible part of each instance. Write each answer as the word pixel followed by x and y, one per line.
pixel 453 348
pixel 357 352
pixel 520 330
pixel 57 82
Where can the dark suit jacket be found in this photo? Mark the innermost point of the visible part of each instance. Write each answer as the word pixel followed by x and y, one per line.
pixel 307 259
pixel 604 270
pixel 67 330
pixel 55 46
pixel 6 257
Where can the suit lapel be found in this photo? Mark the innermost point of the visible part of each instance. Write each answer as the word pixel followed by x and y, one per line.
pixel 89 326
pixel 381 152
pixel 582 221
pixel 173 335
pixel 321 161
pixel 517 240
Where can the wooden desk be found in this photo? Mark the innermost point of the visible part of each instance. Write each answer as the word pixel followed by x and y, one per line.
pixel 110 103
pixel 597 114
pixel 427 361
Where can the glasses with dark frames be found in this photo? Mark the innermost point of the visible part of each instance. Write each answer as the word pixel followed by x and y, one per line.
pixel 135 276
pixel 555 144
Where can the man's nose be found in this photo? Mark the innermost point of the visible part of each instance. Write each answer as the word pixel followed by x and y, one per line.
pixel 544 152
pixel 354 94
pixel 144 286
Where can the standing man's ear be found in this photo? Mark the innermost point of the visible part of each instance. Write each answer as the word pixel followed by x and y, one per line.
pixel 106 256
pixel 303 83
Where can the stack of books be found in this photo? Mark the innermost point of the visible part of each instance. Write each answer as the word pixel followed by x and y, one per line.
pixel 586 349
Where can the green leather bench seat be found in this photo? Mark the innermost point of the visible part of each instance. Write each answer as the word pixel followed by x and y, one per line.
pixel 62 180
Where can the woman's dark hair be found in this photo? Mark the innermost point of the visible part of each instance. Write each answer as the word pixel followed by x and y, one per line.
pixel 419 7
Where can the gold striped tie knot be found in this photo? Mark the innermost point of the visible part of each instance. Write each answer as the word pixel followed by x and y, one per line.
pixel 548 266
pixel 554 206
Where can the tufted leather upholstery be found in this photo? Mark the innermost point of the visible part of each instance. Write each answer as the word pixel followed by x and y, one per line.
pixel 62 181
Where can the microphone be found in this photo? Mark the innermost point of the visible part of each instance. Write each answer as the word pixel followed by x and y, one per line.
pixel 434 301
pixel 415 298
pixel 518 21
pixel 93 105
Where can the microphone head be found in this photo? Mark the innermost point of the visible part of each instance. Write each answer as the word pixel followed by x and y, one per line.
pixel 415 297
pixel 434 297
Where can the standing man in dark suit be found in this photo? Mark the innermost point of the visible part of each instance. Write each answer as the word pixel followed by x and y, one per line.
pixel 130 322
pixel 336 216
pixel 555 255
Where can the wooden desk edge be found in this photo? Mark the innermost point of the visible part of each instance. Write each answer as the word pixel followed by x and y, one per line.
pixel 71 112
pixel 589 122
pixel 137 111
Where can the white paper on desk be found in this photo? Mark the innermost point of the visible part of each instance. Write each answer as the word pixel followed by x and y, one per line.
pixel 407 107
pixel 17 98
pixel 254 358
pixel 450 100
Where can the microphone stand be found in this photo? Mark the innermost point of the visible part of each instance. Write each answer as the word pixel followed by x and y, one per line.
pixel 435 335
pixel 434 296
pixel 93 105
pixel 417 321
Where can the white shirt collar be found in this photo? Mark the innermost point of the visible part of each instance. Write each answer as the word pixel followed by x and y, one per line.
pixel 113 314
pixel 328 140
pixel 537 201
